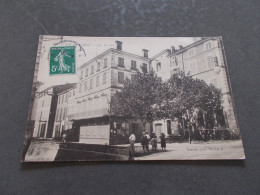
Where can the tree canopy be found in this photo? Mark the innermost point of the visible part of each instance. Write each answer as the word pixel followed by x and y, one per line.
pixel 148 98
pixel 136 99
pixel 187 93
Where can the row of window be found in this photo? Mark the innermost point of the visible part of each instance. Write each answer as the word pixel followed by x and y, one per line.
pixel 92 69
pixel 72 93
pixel 213 81
pixel 194 68
pixel 191 52
pixel 121 77
pixel 121 63
pixel 62 98
pixel 45 101
pixel 198 49
pixel 89 85
pixel 84 85
pixel 61 114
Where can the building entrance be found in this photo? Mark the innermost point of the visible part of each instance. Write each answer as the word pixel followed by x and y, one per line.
pixel 42 130
pixel 158 129
pixel 169 127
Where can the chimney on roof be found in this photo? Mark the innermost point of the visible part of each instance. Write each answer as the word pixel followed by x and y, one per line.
pixel 119 45
pixel 173 49
pixel 181 47
pixel 145 53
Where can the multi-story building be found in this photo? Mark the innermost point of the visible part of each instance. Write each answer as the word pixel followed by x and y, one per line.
pixel 160 63
pixel 205 60
pixel 61 120
pixel 46 110
pixel 99 80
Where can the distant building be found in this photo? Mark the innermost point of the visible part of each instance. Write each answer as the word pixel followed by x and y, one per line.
pixel 160 63
pixel 100 78
pixel 204 59
pixel 61 119
pixel 46 110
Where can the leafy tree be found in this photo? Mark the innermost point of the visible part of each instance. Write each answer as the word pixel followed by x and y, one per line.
pixel 187 94
pixel 148 98
pixel 138 98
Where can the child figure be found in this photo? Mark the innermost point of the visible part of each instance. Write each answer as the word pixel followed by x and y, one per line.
pixel 163 141
pixel 154 142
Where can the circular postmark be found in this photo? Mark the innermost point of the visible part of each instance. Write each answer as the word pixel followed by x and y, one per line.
pixel 63 55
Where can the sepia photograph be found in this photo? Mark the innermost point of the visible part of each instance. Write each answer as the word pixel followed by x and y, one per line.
pixel 131 99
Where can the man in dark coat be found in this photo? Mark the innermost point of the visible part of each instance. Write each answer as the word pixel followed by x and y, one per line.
pixel 145 142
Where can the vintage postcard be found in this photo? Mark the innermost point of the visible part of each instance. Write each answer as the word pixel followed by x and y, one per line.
pixel 131 98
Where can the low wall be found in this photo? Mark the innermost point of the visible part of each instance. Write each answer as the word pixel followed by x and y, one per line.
pixel 91 152
pixel 48 150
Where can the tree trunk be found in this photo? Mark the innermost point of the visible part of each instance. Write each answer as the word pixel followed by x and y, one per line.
pixel 144 123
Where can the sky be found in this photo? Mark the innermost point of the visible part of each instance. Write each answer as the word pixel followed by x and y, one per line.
pixel 93 46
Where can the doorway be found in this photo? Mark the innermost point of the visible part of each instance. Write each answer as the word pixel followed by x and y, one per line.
pixel 158 129
pixel 169 127
pixel 42 131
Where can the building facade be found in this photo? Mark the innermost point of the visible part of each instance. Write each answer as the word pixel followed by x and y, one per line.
pixel 205 60
pixel 100 78
pixel 46 110
pixel 62 123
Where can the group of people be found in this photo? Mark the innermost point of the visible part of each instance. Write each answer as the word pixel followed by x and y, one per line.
pixel 145 140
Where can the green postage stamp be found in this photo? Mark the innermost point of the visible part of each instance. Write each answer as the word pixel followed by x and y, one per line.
pixel 62 60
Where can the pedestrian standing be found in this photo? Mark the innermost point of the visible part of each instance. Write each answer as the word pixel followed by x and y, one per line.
pixel 132 144
pixel 154 141
pixel 147 141
pixel 144 142
pixel 163 141
pixel 191 133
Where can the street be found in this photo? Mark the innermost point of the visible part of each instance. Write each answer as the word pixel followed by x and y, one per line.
pixel 227 149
